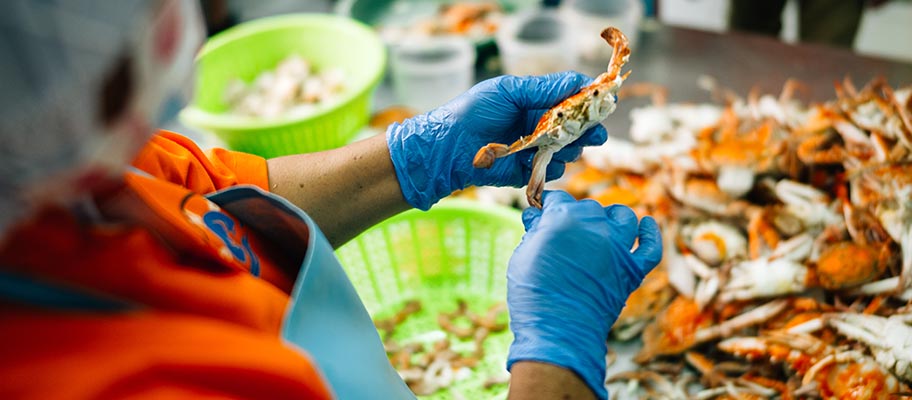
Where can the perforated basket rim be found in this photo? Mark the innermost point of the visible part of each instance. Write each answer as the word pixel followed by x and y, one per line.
pixel 451 210
pixel 508 214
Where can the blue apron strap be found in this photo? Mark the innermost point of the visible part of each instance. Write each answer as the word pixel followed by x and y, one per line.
pixel 30 291
pixel 325 317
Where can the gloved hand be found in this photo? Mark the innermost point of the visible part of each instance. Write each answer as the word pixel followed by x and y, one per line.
pixel 569 279
pixel 432 153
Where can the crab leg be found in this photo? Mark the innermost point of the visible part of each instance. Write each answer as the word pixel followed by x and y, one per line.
pixel 905 275
pixel 487 154
pixel 537 181
pixel 752 317
pixel 888 285
pixel 828 360
pixel 904 116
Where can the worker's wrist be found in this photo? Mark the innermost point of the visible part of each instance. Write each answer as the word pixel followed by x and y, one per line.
pixel 573 346
pixel 418 161
pixel 537 380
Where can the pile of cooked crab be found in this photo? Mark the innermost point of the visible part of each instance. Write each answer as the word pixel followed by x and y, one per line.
pixel 787 270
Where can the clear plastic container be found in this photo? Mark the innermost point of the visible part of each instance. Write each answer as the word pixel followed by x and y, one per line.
pixel 589 17
pixel 428 72
pixel 535 43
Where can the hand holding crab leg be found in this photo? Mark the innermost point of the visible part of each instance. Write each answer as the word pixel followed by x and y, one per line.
pixel 566 122
pixel 432 153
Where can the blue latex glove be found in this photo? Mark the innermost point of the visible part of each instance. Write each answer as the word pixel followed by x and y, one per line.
pixel 569 279
pixel 432 153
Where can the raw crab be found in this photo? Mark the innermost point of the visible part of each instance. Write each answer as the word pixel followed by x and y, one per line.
pixel 567 121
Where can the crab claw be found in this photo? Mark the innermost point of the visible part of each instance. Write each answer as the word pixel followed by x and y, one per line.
pixel 619 54
pixel 487 154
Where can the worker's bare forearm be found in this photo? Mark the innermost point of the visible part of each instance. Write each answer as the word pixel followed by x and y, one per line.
pixel 344 190
pixel 535 380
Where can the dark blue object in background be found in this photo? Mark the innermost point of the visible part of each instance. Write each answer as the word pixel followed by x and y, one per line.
pixel 649 6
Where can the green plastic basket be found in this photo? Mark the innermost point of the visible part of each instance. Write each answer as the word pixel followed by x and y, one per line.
pixel 457 250
pixel 248 49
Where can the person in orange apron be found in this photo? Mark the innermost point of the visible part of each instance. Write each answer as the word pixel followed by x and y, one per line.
pixel 135 265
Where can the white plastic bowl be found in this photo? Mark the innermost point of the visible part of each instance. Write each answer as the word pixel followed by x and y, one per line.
pixel 535 43
pixel 428 72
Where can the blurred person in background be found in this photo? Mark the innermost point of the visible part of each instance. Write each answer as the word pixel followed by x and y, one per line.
pixel 831 22
pixel 218 16
pixel 133 264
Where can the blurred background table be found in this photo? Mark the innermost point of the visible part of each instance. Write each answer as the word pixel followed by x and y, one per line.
pixel 676 57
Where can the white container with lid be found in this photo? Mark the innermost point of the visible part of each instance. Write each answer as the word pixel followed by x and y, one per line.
pixel 588 18
pixel 536 42
pixel 428 72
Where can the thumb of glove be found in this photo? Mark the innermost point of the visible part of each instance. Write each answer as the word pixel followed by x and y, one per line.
pixel 530 217
pixel 650 247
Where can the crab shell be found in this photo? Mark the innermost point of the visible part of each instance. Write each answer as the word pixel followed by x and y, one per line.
pixel 848 264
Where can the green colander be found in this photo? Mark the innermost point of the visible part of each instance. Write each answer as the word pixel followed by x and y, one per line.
pixel 251 48
pixel 457 250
